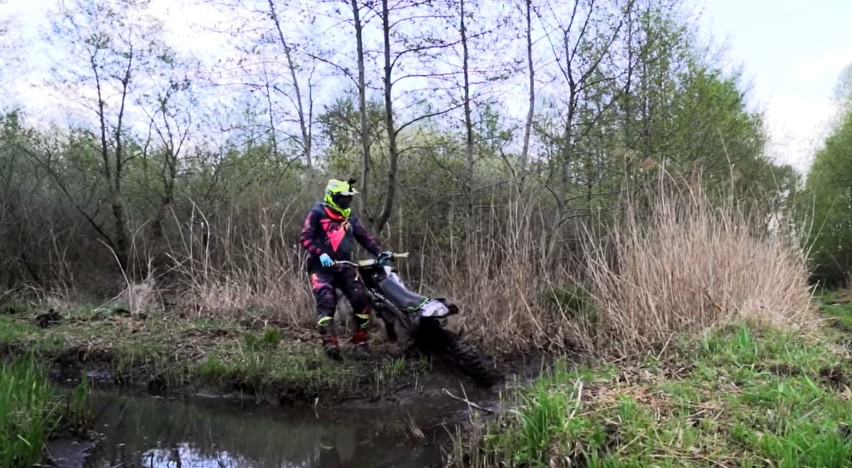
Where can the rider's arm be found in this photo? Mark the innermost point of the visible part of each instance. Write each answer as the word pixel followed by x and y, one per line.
pixel 309 230
pixel 364 238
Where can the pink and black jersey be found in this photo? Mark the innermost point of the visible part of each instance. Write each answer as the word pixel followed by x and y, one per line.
pixel 326 231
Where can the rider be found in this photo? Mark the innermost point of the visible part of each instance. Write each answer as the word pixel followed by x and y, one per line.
pixel 328 234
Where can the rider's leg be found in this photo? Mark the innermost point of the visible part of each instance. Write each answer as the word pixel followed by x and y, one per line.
pixel 353 288
pixel 323 289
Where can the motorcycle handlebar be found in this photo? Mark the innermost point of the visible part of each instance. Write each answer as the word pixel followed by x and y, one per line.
pixel 356 265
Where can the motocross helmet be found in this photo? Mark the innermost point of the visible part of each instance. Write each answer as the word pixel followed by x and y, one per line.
pixel 338 195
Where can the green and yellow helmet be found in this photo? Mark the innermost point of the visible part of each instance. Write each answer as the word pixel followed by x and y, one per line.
pixel 338 195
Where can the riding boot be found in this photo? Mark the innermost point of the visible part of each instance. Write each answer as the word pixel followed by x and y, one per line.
pixel 330 343
pixel 331 347
pixel 359 339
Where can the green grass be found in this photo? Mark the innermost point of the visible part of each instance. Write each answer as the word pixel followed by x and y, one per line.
pixel 13 330
pixel 30 412
pixel 269 362
pixel 740 396
pixel 838 310
pixel 25 404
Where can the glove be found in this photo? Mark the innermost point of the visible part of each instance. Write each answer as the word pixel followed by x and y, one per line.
pixel 326 261
pixel 385 257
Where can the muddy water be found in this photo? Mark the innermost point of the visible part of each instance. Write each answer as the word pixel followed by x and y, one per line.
pixel 156 432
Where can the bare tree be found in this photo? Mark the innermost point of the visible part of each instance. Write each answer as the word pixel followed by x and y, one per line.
pixel 170 111
pixel 421 46
pixel 468 122
pixel 277 68
pixel 525 150
pixel 584 59
pixel 843 87
pixel 358 25
pixel 7 60
pixel 304 116
pixel 116 42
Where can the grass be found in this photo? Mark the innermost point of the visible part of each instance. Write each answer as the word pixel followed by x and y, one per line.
pixel 742 395
pixel 31 412
pixel 272 361
pixel 24 413
pixel 836 306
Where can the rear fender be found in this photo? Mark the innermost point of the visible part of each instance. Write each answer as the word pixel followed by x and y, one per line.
pixel 438 309
pixel 454 309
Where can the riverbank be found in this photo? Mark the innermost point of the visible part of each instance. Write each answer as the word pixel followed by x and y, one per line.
pixel 739 395
pixel 166 353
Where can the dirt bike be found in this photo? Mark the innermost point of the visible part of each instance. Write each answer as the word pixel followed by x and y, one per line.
pixel 423 318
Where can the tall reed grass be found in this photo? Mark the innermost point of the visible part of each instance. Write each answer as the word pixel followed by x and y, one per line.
pixel 687 264
pixel 683 261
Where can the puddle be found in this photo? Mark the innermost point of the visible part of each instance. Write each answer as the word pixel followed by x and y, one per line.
pixel 155 432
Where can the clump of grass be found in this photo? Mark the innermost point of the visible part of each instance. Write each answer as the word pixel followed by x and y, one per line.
pixel 502 280
pixel 78 417
pixel 736 397
pixel 573 299
pixel 13 330
pixel 688 264
pixel 14 305
pixel 268 340
pixel 25 407
pixel 288 375
pixel 30 412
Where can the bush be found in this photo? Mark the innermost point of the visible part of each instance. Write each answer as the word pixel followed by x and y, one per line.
pixel 690 265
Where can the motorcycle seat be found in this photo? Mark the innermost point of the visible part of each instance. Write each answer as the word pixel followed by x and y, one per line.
pixel 401 296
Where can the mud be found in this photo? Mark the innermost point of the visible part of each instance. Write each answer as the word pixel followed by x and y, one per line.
pixel 835 377
pixel 69 452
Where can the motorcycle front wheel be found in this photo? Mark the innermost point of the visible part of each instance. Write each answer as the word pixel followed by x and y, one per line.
pixel 433 338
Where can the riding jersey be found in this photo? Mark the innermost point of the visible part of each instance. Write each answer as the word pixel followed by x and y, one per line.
pixel 327 231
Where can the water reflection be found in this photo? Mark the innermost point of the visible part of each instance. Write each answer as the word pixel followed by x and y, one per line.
pixel 143 431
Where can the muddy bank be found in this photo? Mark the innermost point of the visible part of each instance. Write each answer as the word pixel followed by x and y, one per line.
pixel 69 452
pixel 169 355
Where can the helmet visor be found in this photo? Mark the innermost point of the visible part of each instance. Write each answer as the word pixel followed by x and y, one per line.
pixel 343 201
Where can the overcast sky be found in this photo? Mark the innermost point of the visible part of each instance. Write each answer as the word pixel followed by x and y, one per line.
pixel 791 51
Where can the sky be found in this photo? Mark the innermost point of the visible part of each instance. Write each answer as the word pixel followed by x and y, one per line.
pixel 791 53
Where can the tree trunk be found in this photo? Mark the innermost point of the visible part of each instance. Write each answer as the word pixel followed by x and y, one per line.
pixel 564 169
pixel 389 123
pixel 531 110
pixel 468 124
pixel 362 113
pixel 112 175
pixel 120 223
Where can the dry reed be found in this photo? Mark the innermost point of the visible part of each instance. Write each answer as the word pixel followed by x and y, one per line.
pixel 687 265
